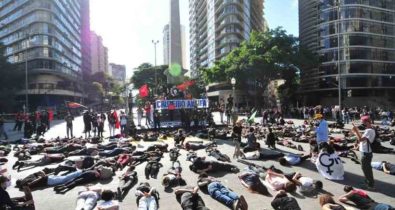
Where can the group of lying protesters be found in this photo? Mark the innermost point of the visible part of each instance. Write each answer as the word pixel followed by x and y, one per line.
pixel 84 161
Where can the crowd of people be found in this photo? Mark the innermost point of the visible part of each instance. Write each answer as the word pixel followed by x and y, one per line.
pixel 82 161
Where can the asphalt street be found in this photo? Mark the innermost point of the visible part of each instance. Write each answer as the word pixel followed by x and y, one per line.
pixel 46 199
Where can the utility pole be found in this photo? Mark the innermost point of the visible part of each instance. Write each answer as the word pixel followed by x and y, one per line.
pixel 156 79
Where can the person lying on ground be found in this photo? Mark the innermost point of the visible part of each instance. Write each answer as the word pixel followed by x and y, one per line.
pixel 281 201
pixel 328 203
pixel 250 179
pixel 147 197
pixel 261 155
pixel 162 147
pixel 293 159
pixel 306 184
pixel 214 152
pixel 197 146
pixel 21 203
pixel 279 181
pixel 189 198
pixel 45 180
pixel 179 138
pixel 362 200
pixel 126 181
pixel 173 176
pixel 200 165
pixel 221 193
pixel 116 151
pixel 87 199
pixel 384 166
pixel 287 143
pixel 89 176
pixel 108 203
pixel 45 160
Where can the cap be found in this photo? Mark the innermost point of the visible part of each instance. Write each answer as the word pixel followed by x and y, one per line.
pixel 318 116
pixel 365 118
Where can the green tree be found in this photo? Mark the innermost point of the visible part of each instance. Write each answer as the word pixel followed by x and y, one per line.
pixel 145 74
pixel 11 81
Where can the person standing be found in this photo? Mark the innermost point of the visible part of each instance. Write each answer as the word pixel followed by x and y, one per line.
pixel 236 134
pixel 221 110
pixel 124 121
pixel 18 121
pixel 69 125
pixel 2 130
pixel 364 142
pixel 147 110
pixel 100 125
pixel 139 115
pixel 87 124
pixel 321 129
pixel 156 120
pixel 111 123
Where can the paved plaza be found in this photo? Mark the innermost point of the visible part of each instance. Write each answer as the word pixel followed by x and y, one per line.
pixel 46 199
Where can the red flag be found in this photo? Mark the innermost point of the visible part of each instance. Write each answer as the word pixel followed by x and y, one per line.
pixel 185 85
pixel 144 91
pixel 182 87
pixel 117 123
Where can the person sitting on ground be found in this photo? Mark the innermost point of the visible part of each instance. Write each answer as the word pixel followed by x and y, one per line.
pixel 189 199
pixel 47 159
pixel 179 138
pixel 328 203
pixel 221 193
pixel 293 159
pixel 250 179
pixel 108 203
pixel 281 201
pixel 384 166
pixel 200 165
pixel 261 155
pixel 279 181
pixel 362 200
pixel 252 145
pixel 22 203
pixel 147 197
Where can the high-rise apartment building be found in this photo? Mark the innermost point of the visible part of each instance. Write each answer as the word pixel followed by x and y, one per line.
pixel 86 38
pixel 118 73
pixel 218 26
pixel 355 41
pixel 44 36
pixel 99 54
pixel 166 46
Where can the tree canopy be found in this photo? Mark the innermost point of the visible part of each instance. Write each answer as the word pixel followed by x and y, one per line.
pixel 145 74
pixel 262 58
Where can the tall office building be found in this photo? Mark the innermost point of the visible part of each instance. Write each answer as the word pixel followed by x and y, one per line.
pixel 99 54
pixel 85 38
pixel 44 35
pixel 166 46
pixel 118 72
pixel 218 26
pixel 355 41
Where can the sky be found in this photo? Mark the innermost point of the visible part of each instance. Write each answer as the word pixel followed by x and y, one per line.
pixel 129 26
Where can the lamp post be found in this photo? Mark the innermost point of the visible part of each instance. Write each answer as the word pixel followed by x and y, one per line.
pixel 233 82
pixel 338 53
pixel 156 79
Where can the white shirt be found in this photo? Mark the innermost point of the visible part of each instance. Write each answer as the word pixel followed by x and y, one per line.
pixel 307 183
pixel 364 146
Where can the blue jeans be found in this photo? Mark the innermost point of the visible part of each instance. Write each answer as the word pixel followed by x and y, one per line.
pixel 222 194
pixel 57 180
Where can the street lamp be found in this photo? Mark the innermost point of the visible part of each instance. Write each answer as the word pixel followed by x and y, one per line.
pixel 156 79
pixel 233 82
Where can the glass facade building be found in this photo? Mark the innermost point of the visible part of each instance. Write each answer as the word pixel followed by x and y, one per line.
pixel 355 37
pixel 218 26
pixel 45 36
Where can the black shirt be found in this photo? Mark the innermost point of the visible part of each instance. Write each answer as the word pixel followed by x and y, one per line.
pixel 5 199
pixel 201 164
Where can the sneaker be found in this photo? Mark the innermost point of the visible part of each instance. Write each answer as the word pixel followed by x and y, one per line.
pixel 236 205
pixel 119 194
